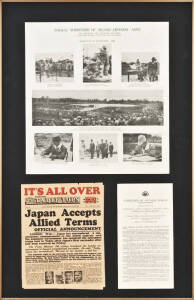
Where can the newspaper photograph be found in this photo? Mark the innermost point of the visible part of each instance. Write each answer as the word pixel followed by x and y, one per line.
pixel 145 236
pixel 54 67
pixel 110 79
pixel 100 148
pixel 142 147
pixel 52 147
pixel 97 108
pixel 97 63
pixel 63 236
pixel 140 67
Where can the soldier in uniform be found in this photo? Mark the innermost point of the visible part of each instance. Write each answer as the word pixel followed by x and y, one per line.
pixel 98 150
pixel 153 69
pixel 111 147
pixel 102 149
pixel 106 149
pixel 92 149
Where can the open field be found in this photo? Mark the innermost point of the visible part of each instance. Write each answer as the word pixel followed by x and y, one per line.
pixel 70 113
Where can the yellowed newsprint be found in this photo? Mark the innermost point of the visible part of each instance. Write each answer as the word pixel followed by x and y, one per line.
pixel 63 236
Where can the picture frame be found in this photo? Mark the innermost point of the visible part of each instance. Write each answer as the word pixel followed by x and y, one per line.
pixel 188 288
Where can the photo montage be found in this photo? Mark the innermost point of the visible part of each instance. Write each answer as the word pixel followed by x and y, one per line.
pixel 100 103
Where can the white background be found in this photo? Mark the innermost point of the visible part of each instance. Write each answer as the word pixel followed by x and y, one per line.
pixel 139 37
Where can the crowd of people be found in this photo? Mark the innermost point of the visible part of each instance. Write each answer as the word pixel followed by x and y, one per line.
pixel 102 149
pixel 122 119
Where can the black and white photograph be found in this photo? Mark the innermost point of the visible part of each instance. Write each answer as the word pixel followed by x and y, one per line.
pixel 140 147
pixel 49 277
pixel 68 277
pixel 98 148
pixel 54 67
pixel 53 147
pixel 97 63
pixel 59 278
pixel 78 276
pixel 100 99
pixel 140 67
pixel 97 108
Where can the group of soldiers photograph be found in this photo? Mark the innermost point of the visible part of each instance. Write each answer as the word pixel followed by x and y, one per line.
pixel 100 150
pixel 51 69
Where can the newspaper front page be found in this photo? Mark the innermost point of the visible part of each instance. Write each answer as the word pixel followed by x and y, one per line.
pixel 63 236
pixel 97 97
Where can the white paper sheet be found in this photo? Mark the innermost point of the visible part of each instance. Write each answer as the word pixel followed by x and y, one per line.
pixel 96 81
pixel 145 236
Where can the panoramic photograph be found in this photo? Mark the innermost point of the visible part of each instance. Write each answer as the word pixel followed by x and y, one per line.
pixel 97 108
